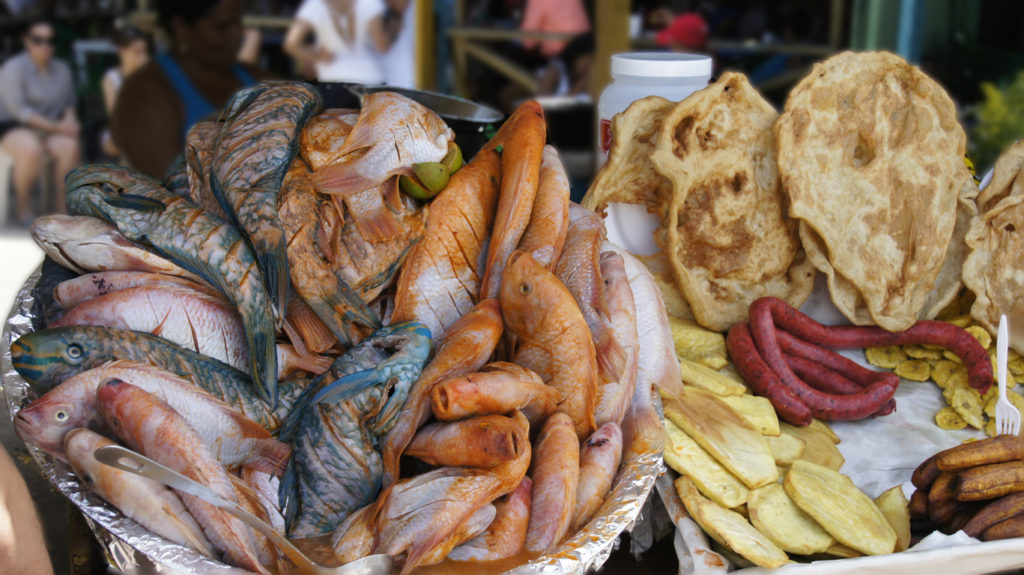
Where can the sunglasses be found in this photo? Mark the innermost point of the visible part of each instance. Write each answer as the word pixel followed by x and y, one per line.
pixel 41 40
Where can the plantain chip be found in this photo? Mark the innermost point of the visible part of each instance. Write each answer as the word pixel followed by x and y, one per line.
pixel 1015 362
pixel 893 504
pixel 726 435
pixel 914 370
pixel 951 356
pixel 786 448
pixel 948 418
pixel 840 507
pixel 887 357
pixel 961 320
pixel 773 513
pixel 980 334
pixel 990 428
pixel 990 403
pixel 709 380
pixel 1011 380
pixel 688 458
pixel 821 449
pixel 730 372
pixel 921 352
pixel 757 410
pixel 966 402
pixel 821 427
pixel 729 527
pixel 842 551
pixel 695 343
pixel 944 371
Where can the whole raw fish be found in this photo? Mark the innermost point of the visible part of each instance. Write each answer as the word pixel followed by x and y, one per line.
pixel 335 466
pixel 544 237
pixel 47 357
pixel 523 136
pixel 234 439
pixel 151 427
pixel 181 230
pixel 579 268
pixel 255 147
pixel 440 281
pixel 555 472
pixel 198 321
pixel 85 287
pixel 472 527
pixel 554 340
pixel 200 143
pixel 498 387
pixel 393 133
pixel 464 348
pixel 483 441
pixel 418 514
pixel 600 455
pixel 145 501
pixel 323 137
pixel 613 397
pixel 507 533
pixel 84 244
pixel 353 539
pixel 176 178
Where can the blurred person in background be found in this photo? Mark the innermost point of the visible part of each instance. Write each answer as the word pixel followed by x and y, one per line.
pixel 687 32
pixel 191 82
pixel 398 61
pixel 22 548
pixel 37 116
pixel 554 16
pixel 132 54
pixel 348 37
pixel 568 74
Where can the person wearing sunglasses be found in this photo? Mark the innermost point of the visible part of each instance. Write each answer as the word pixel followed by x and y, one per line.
pixel 37 116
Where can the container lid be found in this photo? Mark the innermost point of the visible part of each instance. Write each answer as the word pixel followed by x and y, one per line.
pixel 661 65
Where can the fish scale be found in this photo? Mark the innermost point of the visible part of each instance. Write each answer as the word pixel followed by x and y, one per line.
pixel 143 210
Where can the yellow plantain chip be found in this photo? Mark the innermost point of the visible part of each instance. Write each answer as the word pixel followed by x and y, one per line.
pixel 961 320
pixel 709 380
pixel 786 448
pixel 730 372
pixel 921 352
pixel 1011 380
pixel 948 418
pixel 893 504
pixel 990 428
pixel 966 402
pixel 684 455
pixel 840 507
pixel 725 434
pixel 695 343
pixel 820 426
pixel 842 551
pixel 757 410
pixel 820 448
pixel 886 357
pixel 990 402
pixel 993 391
pixel 773 513
pixel 944 370
pixel 914 370
pixel 980 334
pixel 1015 363
pixel 951 356
pixel 729 527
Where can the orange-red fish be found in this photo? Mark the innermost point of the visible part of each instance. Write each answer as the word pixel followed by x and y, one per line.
pixel 555 472
pixel 323 136
pixel 544 237
pixel 599 461
pixel 554 340
pixel 507 533
pixel 482 441
pixel 613 397
pixel 498 387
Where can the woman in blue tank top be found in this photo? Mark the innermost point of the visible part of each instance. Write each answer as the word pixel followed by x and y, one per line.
pixel 192 81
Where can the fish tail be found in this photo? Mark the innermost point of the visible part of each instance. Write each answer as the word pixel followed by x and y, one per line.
pixel 377 225
pixel 268 455
pixel 291 359
pixel 193 539
pixel 263 361
pixel 287 496
pixel 272 258
pixel 642 429
pixel 611 356
pixel 355 319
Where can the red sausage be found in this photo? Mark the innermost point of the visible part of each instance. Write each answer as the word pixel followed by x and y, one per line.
pixel 862 376
pixel 824 379
pixel 964 345
pixel 828 406
pixel 762 379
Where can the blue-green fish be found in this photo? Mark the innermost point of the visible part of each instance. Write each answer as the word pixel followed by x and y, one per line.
pixel 47 357
pixel 257 142
pixel 143 210
pixel 176 178
pixel 336 466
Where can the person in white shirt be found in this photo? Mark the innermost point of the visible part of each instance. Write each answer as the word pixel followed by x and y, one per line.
pixel 348 36
pixel 398 61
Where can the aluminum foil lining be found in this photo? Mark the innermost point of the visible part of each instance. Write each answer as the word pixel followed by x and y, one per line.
pixel 130 547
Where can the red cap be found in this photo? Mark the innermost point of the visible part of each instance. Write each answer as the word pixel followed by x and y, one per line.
pixel 688 30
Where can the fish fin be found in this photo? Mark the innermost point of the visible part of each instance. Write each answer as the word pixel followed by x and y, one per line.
pixel 268 455
pixel 272 258
pixel 376 223
pixel 347 387
pixel 287 496
pixel 293 360
pixel 341 178
pixel 611 356
pixel 263 358
pixel 194 540
pixel 391 193
pixel 136 202
pixel 345 313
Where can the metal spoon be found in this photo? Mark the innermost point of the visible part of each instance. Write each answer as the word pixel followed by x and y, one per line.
pixel 132 462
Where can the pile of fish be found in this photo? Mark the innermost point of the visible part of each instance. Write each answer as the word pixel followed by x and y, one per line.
pixel 458 379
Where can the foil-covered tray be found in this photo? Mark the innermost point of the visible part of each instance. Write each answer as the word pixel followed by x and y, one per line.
pixel 130 547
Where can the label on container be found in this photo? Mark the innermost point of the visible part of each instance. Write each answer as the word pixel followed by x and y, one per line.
pixel 606 135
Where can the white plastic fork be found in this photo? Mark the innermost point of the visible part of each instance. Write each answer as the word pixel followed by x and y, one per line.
pixel 1007 416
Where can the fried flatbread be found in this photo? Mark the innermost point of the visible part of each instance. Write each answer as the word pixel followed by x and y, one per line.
pixel 726 232
pixel 871 158
pixel 994 269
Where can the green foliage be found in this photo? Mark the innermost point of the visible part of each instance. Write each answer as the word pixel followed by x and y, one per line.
pixel 1000 122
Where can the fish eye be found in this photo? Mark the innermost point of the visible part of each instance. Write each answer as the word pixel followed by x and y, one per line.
pixel 75 351
pixel 88 478
pixel 61 415
pixel 525 288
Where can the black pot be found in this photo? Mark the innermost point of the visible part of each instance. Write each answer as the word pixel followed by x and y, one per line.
pixel 471 122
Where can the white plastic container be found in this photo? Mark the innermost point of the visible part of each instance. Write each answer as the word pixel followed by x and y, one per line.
pixel 671 75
